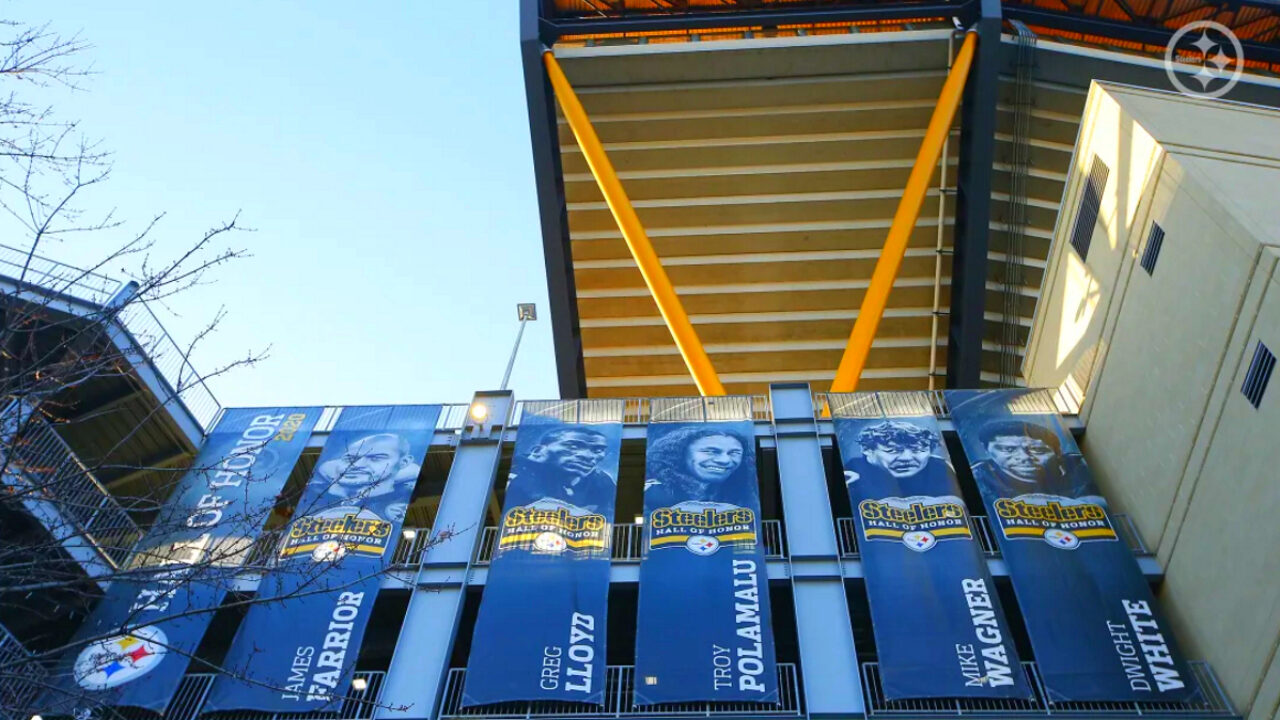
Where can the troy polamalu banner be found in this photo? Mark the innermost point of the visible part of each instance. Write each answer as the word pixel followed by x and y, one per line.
pixel 296 649
pixel 939 628
pixel 135 647
pixel 1088 608
pixel 540 634
pixel 703 622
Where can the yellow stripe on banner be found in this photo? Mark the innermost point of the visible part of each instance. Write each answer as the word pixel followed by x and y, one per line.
pixel 526 537
pixel 737 536
pixel 1034 532
pixel 672 539
pixel 300 549
pixel 668 539
pixel 1099 533
pixel 880 532
pixel 955 531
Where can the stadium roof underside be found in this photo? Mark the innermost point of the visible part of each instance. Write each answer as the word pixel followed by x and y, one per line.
pixel 765 146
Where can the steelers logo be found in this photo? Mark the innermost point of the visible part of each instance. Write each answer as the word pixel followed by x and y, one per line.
pixel 1062 539
pixel 115 661
pixel 550 542
pixel 329 551
pixel 919 540
pixel 702 545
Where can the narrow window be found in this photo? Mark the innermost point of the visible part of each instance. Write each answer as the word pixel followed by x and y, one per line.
pixel 1255 381
pixel 1090 204
pixel 1155 239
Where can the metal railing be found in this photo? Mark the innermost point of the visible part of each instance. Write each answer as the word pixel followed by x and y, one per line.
pixel 847 531
pixel 628 542
pixel 619 701
pixel 188 702
pixel 22 682
pixel 410 546
pixel 155 343
pixel 1059 400
pixel 42 464
pixel 1211 702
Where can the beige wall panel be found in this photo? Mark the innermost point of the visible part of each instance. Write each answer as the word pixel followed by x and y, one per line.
pixel 1220 585
pixel 1162 358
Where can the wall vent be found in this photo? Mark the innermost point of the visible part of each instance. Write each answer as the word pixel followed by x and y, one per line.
pixel 1155 239
pixel 1090 204
pixel 1255 381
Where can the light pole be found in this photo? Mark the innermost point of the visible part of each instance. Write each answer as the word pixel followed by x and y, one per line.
pixel 524 312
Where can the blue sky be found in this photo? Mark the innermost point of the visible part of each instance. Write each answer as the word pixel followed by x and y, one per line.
pixel 382 157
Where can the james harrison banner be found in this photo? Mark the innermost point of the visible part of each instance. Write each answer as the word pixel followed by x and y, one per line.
pixel 540 634
pixel 703 622
pixel 939 628
pixel 296 649
pixel 1088 608
pixel 135 647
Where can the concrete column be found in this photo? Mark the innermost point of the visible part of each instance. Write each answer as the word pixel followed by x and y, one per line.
pixel 828 658
pixel 420 663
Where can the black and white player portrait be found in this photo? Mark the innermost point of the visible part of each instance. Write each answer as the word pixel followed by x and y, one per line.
pixel 898 450
pixel 565 463
pixel 1025 456
pixel 700 462
pixel 376 472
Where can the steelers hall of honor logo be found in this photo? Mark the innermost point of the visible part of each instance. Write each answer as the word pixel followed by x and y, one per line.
pixel 550 542
pixel 117 660
pixel 702 544
pixel 329 551
pixel 1064 539
pixel 919 540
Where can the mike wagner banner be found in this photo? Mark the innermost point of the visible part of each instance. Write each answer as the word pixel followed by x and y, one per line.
pixel 939 628
pixel 540 634
pixel 143 632
pixel 297 647
pixel 1089 612
pixel 703 622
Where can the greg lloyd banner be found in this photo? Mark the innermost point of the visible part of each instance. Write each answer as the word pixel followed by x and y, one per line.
pixel 703 621
pixel 1088 608
pixel 141 635
pixel 939 628
pixel 296 649
pixel 540 633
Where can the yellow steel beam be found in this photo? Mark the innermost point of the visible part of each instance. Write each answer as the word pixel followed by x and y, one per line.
pixel 704 376
pixel 904 220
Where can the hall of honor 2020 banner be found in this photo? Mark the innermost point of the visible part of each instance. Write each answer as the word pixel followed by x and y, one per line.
pixel 940 631
pixel 1088 608
pixel 296 649
pixel 540 633
pixel 703 622
pixel 136 645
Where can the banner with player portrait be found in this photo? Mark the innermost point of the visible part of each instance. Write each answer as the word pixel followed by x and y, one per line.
pixel 940 631
pixel 135 647
pixel 703 622
pixel 540 633
pixel 296 649
pixel 1088 608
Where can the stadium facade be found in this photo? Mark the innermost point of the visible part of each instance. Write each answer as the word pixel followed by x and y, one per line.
pixel 765 146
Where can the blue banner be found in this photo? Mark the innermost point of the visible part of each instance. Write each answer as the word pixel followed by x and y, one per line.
pixel 939 628
pixel 296 649
pixel 703 623
pixel 540 634
pixel 1088 608
pixel 135 647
